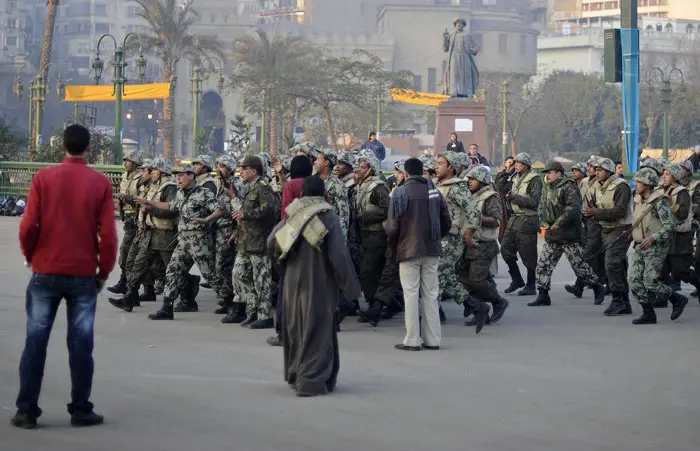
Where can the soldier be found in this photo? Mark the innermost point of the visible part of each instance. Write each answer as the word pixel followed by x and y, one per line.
pixel 466 219
pixel 694 190
pixel 612 208
pixel 203 167
pixel 282 168
pixel 481 247
pixel 592 232
pixel 335 189
pixel 560 212
pixel 158 235
pixel 193 203
pixel 504 179
pixel 680 252
pixel 523 225
pixel 149 293
pixel 346 173
pixel 579 171
pixel 128 190
pixel 653 226
pixel 252 269
pixel 429 162
pixel 372 207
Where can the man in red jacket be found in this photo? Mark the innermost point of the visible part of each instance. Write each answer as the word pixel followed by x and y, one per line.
pixel 68 236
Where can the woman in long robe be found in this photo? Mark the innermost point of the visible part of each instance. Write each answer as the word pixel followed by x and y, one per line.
pixel 313 282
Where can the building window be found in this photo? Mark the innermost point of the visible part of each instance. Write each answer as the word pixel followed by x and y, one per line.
pixel 100 10
pixel 132 11
pixel 478 40
pixel 11 41
pixel 502 43
pixel 101 28
pixel 523 44
pixel 417 83
pixel 432 79
pixel 12 23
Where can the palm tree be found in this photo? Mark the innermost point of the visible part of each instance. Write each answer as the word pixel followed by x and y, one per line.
pixel 171 38
pixel 272 64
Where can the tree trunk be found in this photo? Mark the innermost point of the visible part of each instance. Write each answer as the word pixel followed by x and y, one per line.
pixel 274 130
pixel 45 58
pixel 168 109
pixel 330 129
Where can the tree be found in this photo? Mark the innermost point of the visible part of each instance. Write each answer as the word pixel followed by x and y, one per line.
pixel 267 67
pixel 170 38
pixel 239 136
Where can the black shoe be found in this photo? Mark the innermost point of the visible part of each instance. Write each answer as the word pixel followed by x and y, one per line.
pixel 658 303
pixel 529 290
pixel 24 421
pixel 165 313
pixel 598 293
pixel 190 307
pixel 127 302
pixel 608 291
pixel 206 285
pixel 236 314
pixel 372 315
pixel 149 294
pixel 617 306
pixel 274 341
pixel 262 324
pixel 648 315
pixel 679 302
pixel 443 318
pixel 514 285
pixel 86 419
pixel 498 310
pixel 468 310
pixel 481 315
pixel 403 347
pixel 543 299
pixel 627 309
pixel 430 348
pixel 249 320
pixel 221 311
pixel 577 289
pixel 120 287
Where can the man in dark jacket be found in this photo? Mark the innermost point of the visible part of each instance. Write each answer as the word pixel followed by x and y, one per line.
pixel 455 145
pixel 418 219
pixel 560 212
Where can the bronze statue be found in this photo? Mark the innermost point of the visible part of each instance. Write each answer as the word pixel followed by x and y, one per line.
pixel 461 76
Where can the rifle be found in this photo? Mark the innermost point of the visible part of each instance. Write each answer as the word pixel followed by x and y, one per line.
pixel 121 209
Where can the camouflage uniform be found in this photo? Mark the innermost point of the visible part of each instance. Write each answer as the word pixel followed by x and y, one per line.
pixel 561 206
pixel 652 218
pixel 194 243
pixel 251 270
pixel 337 194
pixel 354 238
pixel 129 188
pixel 593 232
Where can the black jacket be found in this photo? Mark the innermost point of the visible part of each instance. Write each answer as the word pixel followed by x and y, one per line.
pixel 456 146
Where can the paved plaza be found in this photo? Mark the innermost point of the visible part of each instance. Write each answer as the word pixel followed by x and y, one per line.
pixel 560 378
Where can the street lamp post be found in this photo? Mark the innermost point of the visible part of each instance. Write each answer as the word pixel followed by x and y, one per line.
pixel 666 91
pixel 504 98
pixel 119 81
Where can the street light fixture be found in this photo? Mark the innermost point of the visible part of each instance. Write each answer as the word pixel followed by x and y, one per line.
pixel 666 91
pixel 119 80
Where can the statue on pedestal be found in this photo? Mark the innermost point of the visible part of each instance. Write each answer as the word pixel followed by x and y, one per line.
pixel 461 76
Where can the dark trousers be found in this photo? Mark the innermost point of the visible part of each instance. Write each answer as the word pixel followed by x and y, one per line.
pixel 44 294
pixel 278 307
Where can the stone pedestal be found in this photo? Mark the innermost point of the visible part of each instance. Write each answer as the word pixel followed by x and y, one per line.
pixel 465 117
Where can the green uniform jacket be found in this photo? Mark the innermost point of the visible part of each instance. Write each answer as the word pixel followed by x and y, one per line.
pixel 259 217
pixel 561 206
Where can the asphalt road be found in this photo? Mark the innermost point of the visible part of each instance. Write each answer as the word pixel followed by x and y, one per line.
pixel 562 378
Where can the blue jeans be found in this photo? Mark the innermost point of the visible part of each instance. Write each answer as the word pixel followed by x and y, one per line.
pixel 44 295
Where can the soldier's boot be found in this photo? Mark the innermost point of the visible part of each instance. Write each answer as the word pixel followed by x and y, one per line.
pixel 205 284
pixel 262 324
pixel 468 310
pixel 679 302
pixel 148 295
pixel 187 302
pixel 372 315
pixel 228 304
pixel 530 289
pixel 235 315
pixel 499 308
pixel 159 287
pixel 577 288
pixel 127 302
pixel 648 315
pixel 615 305
pixel 674 284
pixel 250 319
pixel 598 294
pixel 627 310
pixel 120 287
pixel 516 281
pixel 542 300
pixel 658 303
pixel 481 316
pixel 165 312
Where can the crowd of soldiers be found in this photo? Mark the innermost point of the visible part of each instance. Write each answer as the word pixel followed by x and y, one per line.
pixel 221 223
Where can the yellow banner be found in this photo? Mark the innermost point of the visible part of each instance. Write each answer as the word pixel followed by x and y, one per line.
pixel 106 93
pixel 418 98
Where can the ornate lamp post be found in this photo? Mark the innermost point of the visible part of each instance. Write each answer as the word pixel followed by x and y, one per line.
pixel 666 91
pixel 119 81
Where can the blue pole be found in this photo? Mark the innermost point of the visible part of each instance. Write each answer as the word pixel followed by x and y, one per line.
pixel 630 95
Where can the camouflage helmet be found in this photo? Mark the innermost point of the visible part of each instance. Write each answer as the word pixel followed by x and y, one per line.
pixel 266 160
pixel 688 165
pixel 453 160
pixel 367 152
pixel 183 168
pixel 372 161
pixel 480 173
pixel 330 155
pixel 286 163
pixel 582 167
pixel 162 165
pixel 676 170
pixel 306 148
pixel 134 156
pixel 146 164
pixel 647 176
pixel 663 161
pixel 204 160
pixel 346 157
pixel 652 163
pixel 428 161
pixel 593 160
pixel 228 161
pixel 607 164
pixel 400 166
pixel 524 159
